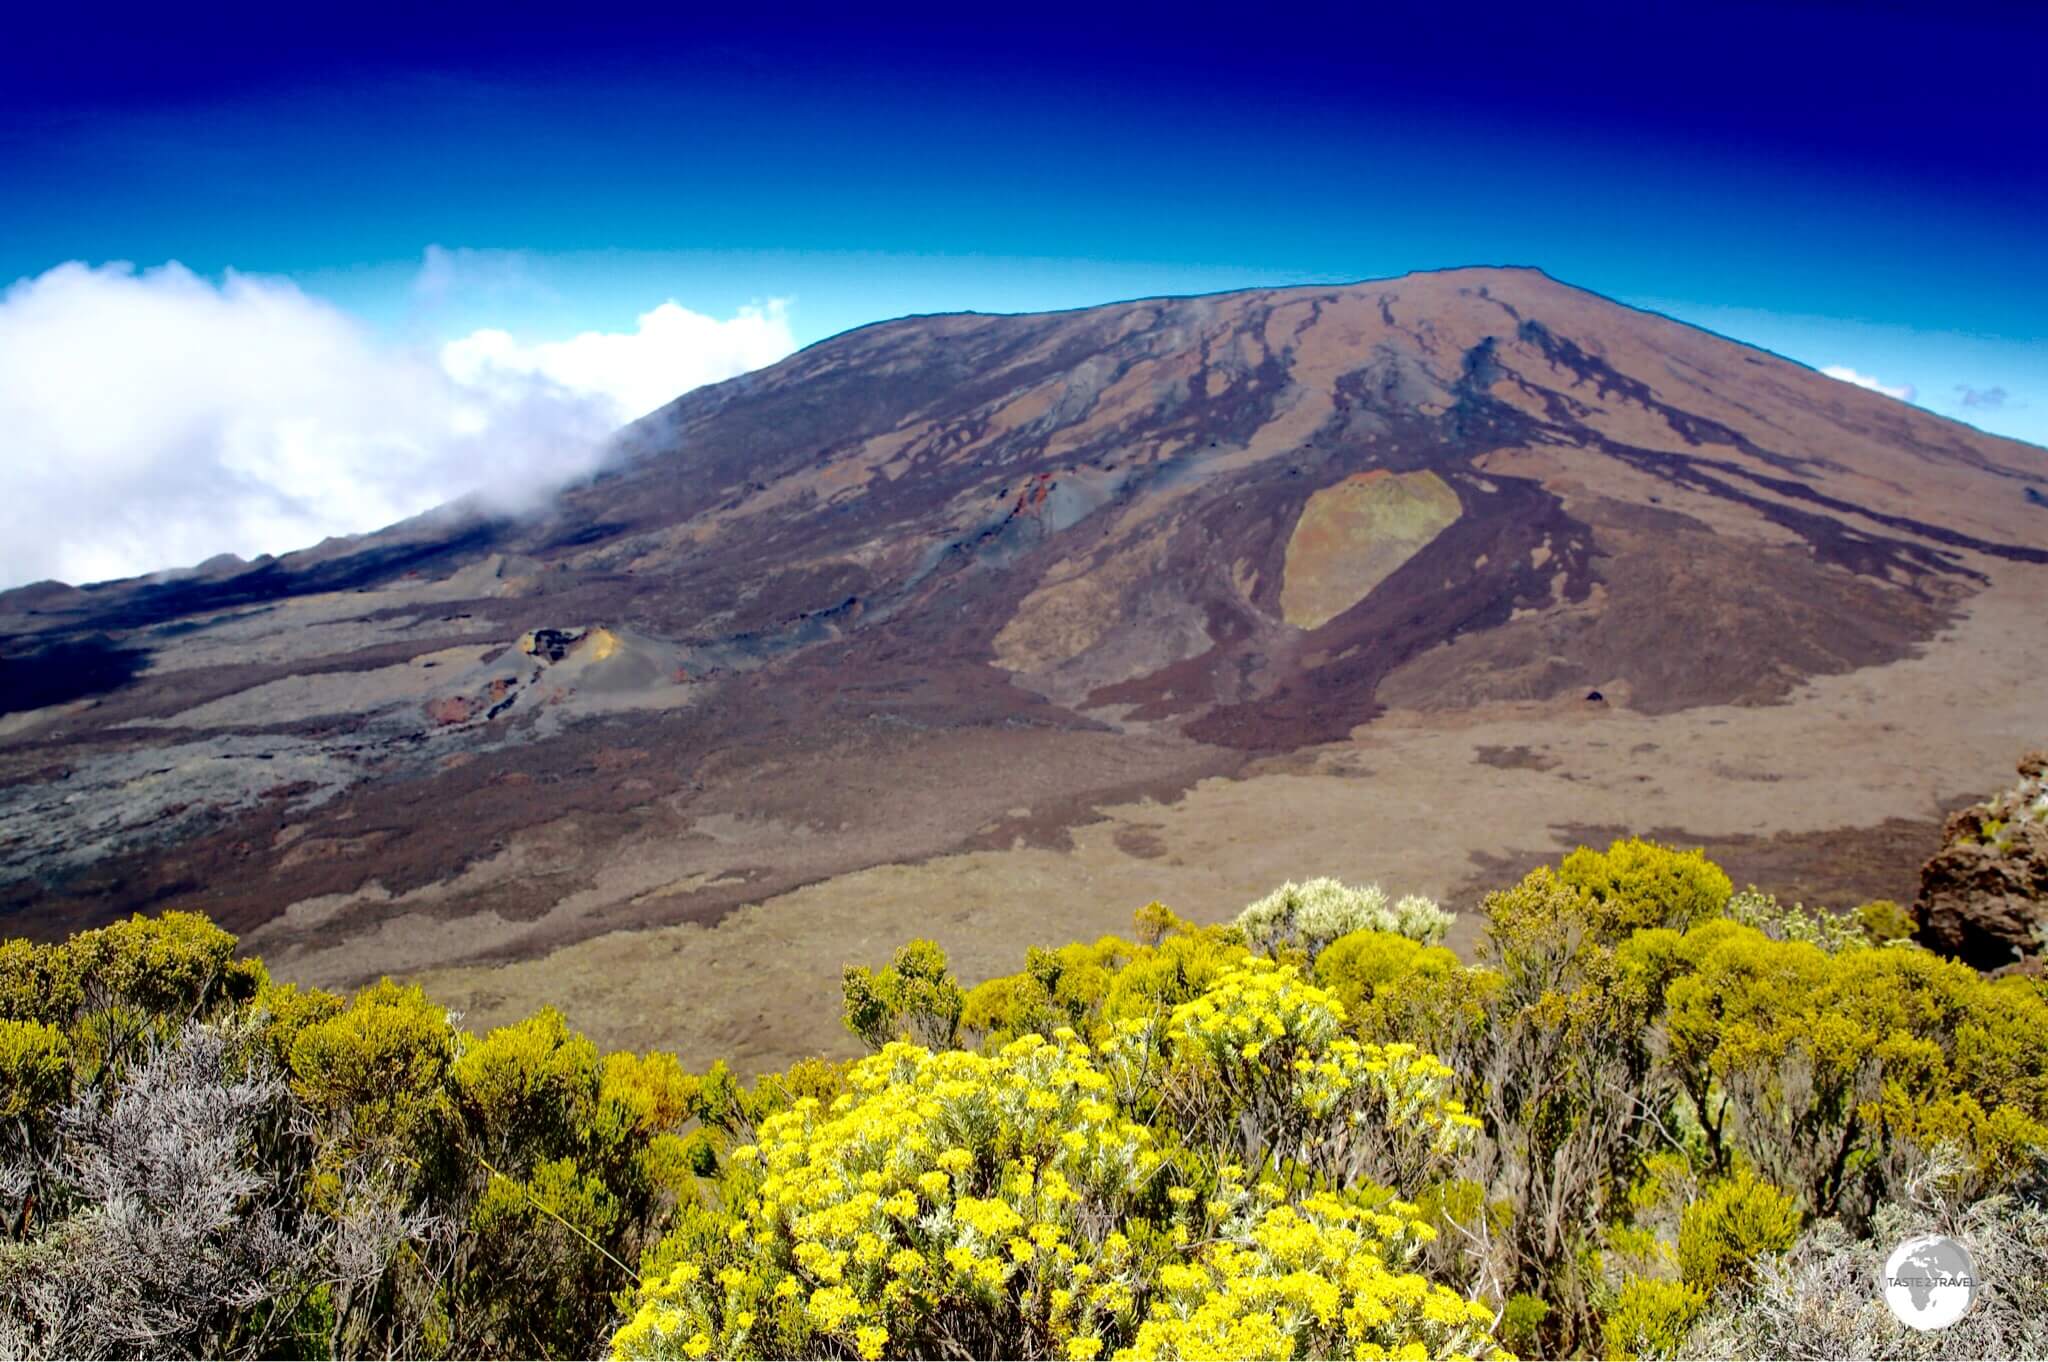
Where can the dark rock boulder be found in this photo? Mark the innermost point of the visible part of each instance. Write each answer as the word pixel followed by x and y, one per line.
pixel 1984 895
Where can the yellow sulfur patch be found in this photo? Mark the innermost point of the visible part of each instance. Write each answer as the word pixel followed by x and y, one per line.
pixel 1352 536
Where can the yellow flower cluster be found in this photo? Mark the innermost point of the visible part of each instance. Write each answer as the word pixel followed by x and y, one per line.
pixel 1258 1007
pixel 1320 1279
pixel 947 1178
pixel 1265 1025
pixel 1011 1204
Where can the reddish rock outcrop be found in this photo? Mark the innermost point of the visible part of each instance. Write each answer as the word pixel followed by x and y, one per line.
pixel 448 710
pixel 1984 895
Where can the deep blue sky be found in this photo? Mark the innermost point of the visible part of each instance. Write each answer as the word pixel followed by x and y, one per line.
pixel 1856 184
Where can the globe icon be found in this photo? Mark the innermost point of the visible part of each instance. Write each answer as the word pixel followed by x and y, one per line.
pixel 1930 1282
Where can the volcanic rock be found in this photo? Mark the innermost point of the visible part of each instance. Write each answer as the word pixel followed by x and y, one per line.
pixel 1984 895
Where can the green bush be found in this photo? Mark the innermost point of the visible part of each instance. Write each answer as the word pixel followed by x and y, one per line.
pixel 1884 922
pixel 1651 1318
pixel 1635 884
pixel 35 1071
pixel 1568 1080
pixel 1521 1323
pixel 39 983
pixel 1092 987
pixel 914 997
pixel 1739 1221
pixel 378 1069
pixel 1394 987
pixel 1820 1070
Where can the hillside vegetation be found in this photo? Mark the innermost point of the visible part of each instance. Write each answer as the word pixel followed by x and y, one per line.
pixel 1656 1117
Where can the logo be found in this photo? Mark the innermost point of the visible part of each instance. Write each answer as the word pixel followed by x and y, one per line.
pixel 1930 1282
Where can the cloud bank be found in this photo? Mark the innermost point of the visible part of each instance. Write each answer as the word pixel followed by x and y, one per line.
pixel 1904 391
pixel 152 418
pixel 672 350
pixel 1990 399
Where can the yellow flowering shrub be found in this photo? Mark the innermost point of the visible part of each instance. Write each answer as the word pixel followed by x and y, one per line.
pixel 1394 988
pixel 1045 1200
pixel 1816 1067
pixel 1263 1068
pixel 1739 1221
pixel 1636 884
pixel 1093 986
pixel 1312 1280
pixel 1651 1318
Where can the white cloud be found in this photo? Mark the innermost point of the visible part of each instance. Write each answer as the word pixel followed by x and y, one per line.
pixel 1904 391
pixel 672 350
pixel 152 419
pixel 446 273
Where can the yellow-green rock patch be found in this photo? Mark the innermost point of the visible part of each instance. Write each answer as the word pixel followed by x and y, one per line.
pixel 1353 535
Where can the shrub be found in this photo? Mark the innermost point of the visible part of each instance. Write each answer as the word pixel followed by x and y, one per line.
pixel 914 997
pixel 529 1090
pixel 1651 1318
pixel 35 1088
pixel 1059 1199
pixel 1260 1068
pixel 1091 987
pixel 38 983
pixel 176 963
pixel 378 1070
pixel 1568 1082
pixel 1538 925
pixel 1216 1152
pixel 1635 884
pixel 545 1225
pixel 1063 987
pixel 1740 1221
pixel 1311 915
pixel 1884 922
pixel 1720 1015
pixel 1829 931
pixel 116 989
pixel 174 1229
pixel 35 1071
pixel 1180 968
pixel 1818 1299
pixel 1521 1322
pixel 1823 1070
pixel 1394 988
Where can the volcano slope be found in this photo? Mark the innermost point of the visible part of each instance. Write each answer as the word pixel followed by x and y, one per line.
pixel 991 628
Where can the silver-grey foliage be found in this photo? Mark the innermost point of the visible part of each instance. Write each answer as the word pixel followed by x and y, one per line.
pixel 181 1229
pixel 1316 912
pixel 1822 1299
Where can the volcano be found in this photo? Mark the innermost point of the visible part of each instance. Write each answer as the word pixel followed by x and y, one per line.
pixel 991 628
